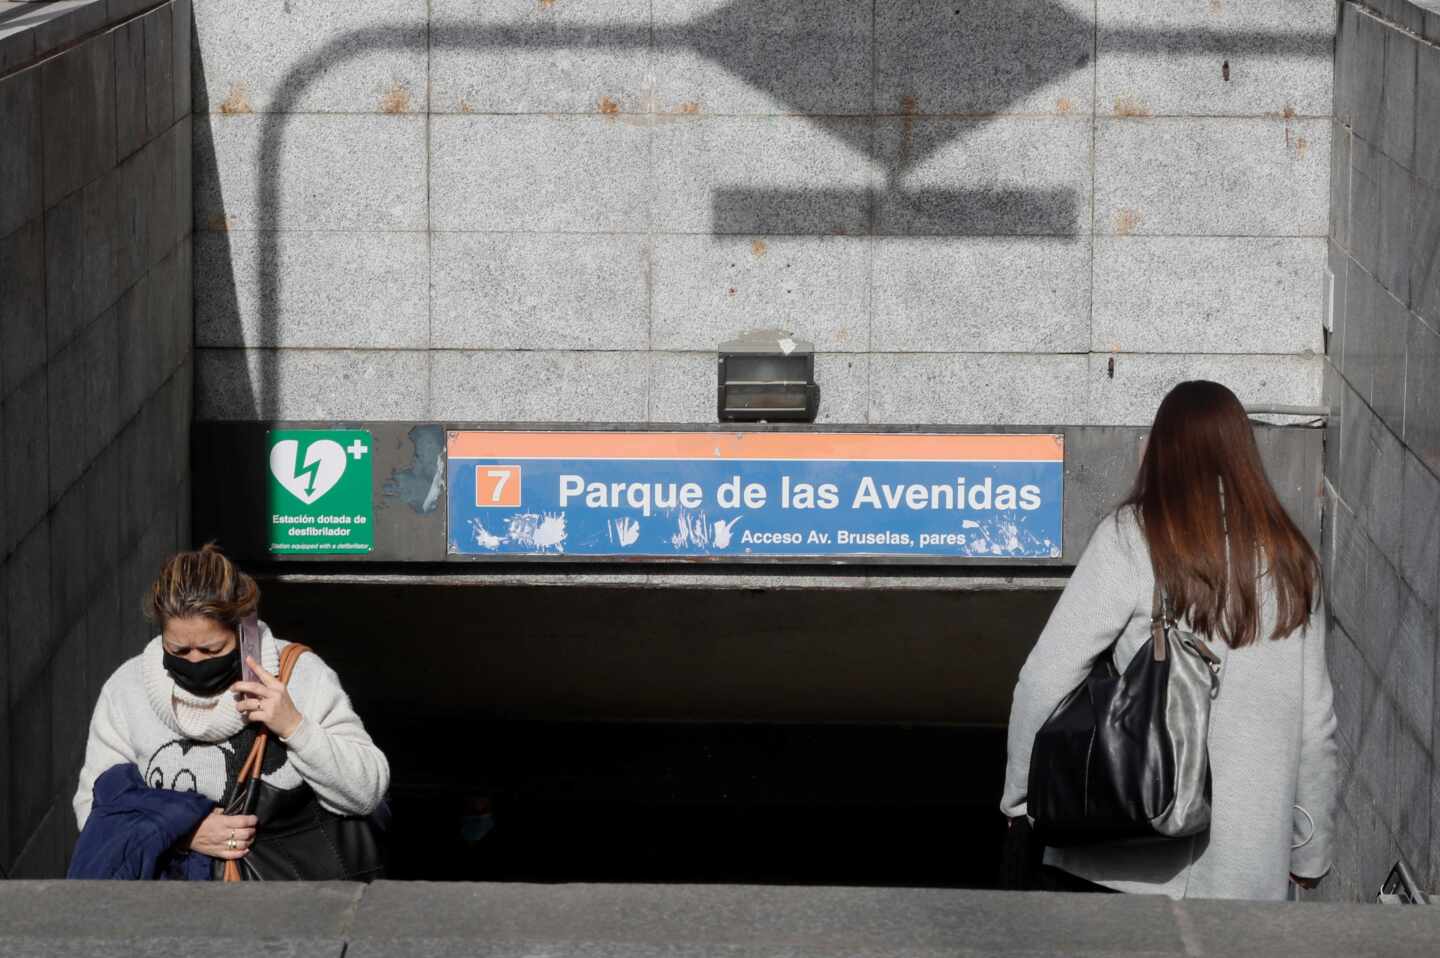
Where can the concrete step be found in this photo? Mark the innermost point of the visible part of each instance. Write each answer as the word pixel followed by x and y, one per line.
pixel 675 921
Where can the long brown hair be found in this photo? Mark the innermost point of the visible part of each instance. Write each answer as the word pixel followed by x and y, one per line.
pixel 203 583
pixel 1200 484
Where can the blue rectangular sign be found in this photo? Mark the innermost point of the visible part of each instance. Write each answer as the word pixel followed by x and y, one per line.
pixel 734 495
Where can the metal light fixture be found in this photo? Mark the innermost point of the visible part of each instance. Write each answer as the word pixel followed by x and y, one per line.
pixel 766 375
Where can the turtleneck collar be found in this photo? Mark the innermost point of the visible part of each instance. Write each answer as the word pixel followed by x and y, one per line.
pixel 213 719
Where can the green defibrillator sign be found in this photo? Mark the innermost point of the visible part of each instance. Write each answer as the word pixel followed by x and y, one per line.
pixel 320 491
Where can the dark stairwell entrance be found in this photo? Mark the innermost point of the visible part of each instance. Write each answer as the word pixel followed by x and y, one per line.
pixel 691 735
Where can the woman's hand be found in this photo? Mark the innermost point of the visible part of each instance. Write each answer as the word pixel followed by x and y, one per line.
pixel 267 701
pixel 224 836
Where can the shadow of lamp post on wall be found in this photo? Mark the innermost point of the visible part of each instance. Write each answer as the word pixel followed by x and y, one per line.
pixel 982 57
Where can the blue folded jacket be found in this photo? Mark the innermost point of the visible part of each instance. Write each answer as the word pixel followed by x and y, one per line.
pixel 134 830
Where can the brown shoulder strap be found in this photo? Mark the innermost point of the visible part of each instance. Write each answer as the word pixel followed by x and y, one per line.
pixel 288 657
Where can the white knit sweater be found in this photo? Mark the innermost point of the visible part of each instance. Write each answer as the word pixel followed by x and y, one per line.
pixel 1272 736
pixel 182 742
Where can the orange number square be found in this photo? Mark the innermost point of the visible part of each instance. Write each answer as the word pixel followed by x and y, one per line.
pixel 497 486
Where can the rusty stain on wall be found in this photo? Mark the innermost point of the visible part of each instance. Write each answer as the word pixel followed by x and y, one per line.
pixel 1125 221
pixel 1288 113
pixel 396 99
pixel 1064 105
pixel 1302 146
pixel 909 106
pixel 236 101
pixel 758 247
pixel 608 106
pixel 1129 106
pixel 465 106
pixel 690 106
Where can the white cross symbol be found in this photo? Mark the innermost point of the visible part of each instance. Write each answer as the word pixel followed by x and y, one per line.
pixel 357 449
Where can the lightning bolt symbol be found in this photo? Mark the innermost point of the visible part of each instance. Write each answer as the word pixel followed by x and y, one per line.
pixel 312 469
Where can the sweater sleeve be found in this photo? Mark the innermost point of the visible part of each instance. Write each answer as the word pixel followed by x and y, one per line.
pixel 330 748
pixel 1097 604
pixel 106 747
pixel 1317 782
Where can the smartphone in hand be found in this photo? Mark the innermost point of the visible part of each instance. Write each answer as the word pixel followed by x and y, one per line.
pixel 249 646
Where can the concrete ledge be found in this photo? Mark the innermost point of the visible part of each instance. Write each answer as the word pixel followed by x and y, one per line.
pixel 677 921
pixel 31 30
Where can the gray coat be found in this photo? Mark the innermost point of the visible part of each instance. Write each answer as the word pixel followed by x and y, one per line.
pixel 1272 736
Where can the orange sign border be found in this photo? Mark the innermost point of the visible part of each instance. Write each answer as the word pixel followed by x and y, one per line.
pixel 925 447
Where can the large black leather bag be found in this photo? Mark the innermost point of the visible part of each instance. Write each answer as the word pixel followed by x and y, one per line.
pixel 298 839
pixel 1124 755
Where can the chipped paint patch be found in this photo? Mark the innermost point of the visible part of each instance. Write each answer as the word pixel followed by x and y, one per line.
pixel 758 247
pixel 608 106
pixel 236 101
pixel 421 485
pixel 690 106
pixel 625 531
pixel 1125 221
pixel 693 530
pixel 1064 105
pixel 483 537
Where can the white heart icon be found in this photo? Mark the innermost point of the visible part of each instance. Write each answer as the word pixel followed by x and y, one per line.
pixel 324 465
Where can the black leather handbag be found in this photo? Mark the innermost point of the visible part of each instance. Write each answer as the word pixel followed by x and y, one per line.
pixel 1124 755
pixel 298 839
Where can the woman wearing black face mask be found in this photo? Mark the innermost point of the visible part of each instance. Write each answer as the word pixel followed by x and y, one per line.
pixel 181 715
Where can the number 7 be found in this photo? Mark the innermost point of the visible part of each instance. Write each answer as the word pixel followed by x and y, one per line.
pixel 493 488
pixel 504 476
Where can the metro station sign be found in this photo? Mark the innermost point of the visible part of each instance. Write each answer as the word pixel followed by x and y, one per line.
pixel 719 496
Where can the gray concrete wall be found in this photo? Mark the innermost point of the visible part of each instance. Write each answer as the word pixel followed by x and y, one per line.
pixel 95 376
pixel 981 211
pixel 1382 540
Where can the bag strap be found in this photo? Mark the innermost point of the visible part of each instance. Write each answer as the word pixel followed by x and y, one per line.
pixel 1158 644
pixel 1160 619
pixel 250 770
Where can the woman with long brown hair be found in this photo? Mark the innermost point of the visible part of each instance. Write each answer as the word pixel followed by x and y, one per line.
pixel 1203 520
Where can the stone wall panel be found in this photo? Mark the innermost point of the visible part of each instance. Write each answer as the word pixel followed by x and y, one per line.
pixel 707 289
pixel 1277 59
pixel 1212 177
pixel 335 289
pixel 537 290
pixel 314 171
pixel 1207 295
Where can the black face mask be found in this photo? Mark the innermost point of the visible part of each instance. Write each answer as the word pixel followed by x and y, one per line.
pixel 208 677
